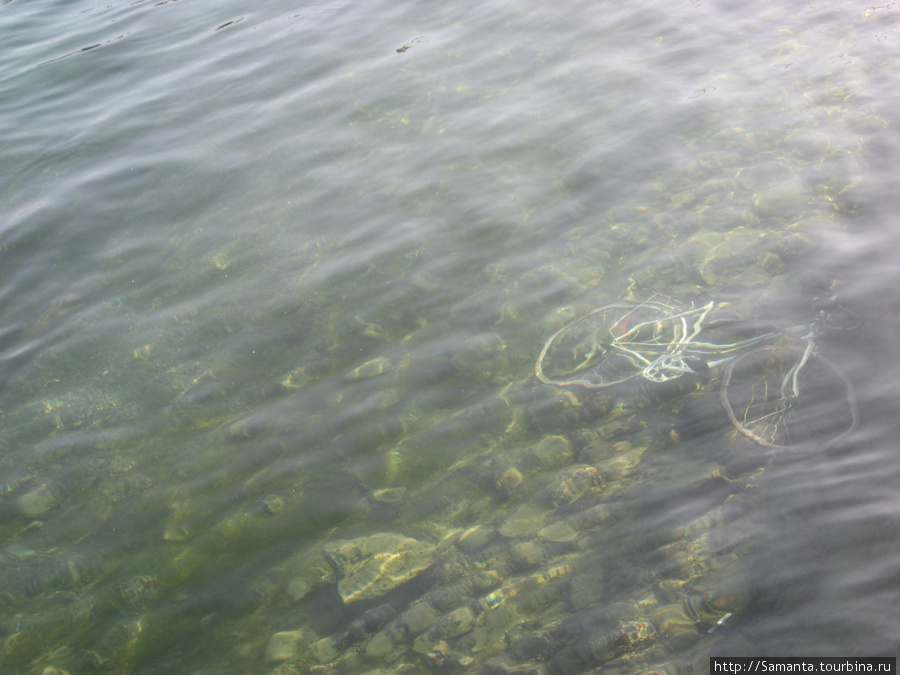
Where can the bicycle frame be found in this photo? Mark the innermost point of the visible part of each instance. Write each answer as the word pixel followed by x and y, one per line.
pixel 659 341
pixel 659 349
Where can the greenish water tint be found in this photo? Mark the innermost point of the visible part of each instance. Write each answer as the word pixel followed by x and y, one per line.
pixel 274 280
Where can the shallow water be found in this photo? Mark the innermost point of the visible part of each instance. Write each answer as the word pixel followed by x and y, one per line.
pixel 275 278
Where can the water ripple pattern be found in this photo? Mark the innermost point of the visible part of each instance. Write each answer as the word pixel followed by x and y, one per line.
pixel 300 338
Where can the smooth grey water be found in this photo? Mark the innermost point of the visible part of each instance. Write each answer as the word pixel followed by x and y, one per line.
pixel 275 278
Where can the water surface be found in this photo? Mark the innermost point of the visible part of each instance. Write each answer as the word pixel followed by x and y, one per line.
pixel 275 278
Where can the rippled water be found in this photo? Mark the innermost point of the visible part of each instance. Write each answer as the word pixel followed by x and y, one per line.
pixel 275 279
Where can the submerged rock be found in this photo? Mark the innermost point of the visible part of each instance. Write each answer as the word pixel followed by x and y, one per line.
pixel 283 646
pixel 371 566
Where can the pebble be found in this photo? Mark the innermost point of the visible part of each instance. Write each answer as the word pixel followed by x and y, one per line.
pixel 283 646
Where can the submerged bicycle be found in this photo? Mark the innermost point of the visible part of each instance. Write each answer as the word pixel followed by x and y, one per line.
pixel 776 389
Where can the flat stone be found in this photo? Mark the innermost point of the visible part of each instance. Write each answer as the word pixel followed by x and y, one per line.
pixel 558 531
pixel 526 520
pixel 282 646
pixel 371 566
pixel 36 502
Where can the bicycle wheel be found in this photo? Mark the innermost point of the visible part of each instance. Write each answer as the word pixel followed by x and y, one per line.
pixel 612 344
pixel 788 397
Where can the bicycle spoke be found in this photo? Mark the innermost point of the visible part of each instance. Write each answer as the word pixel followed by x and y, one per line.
pixel 788 397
